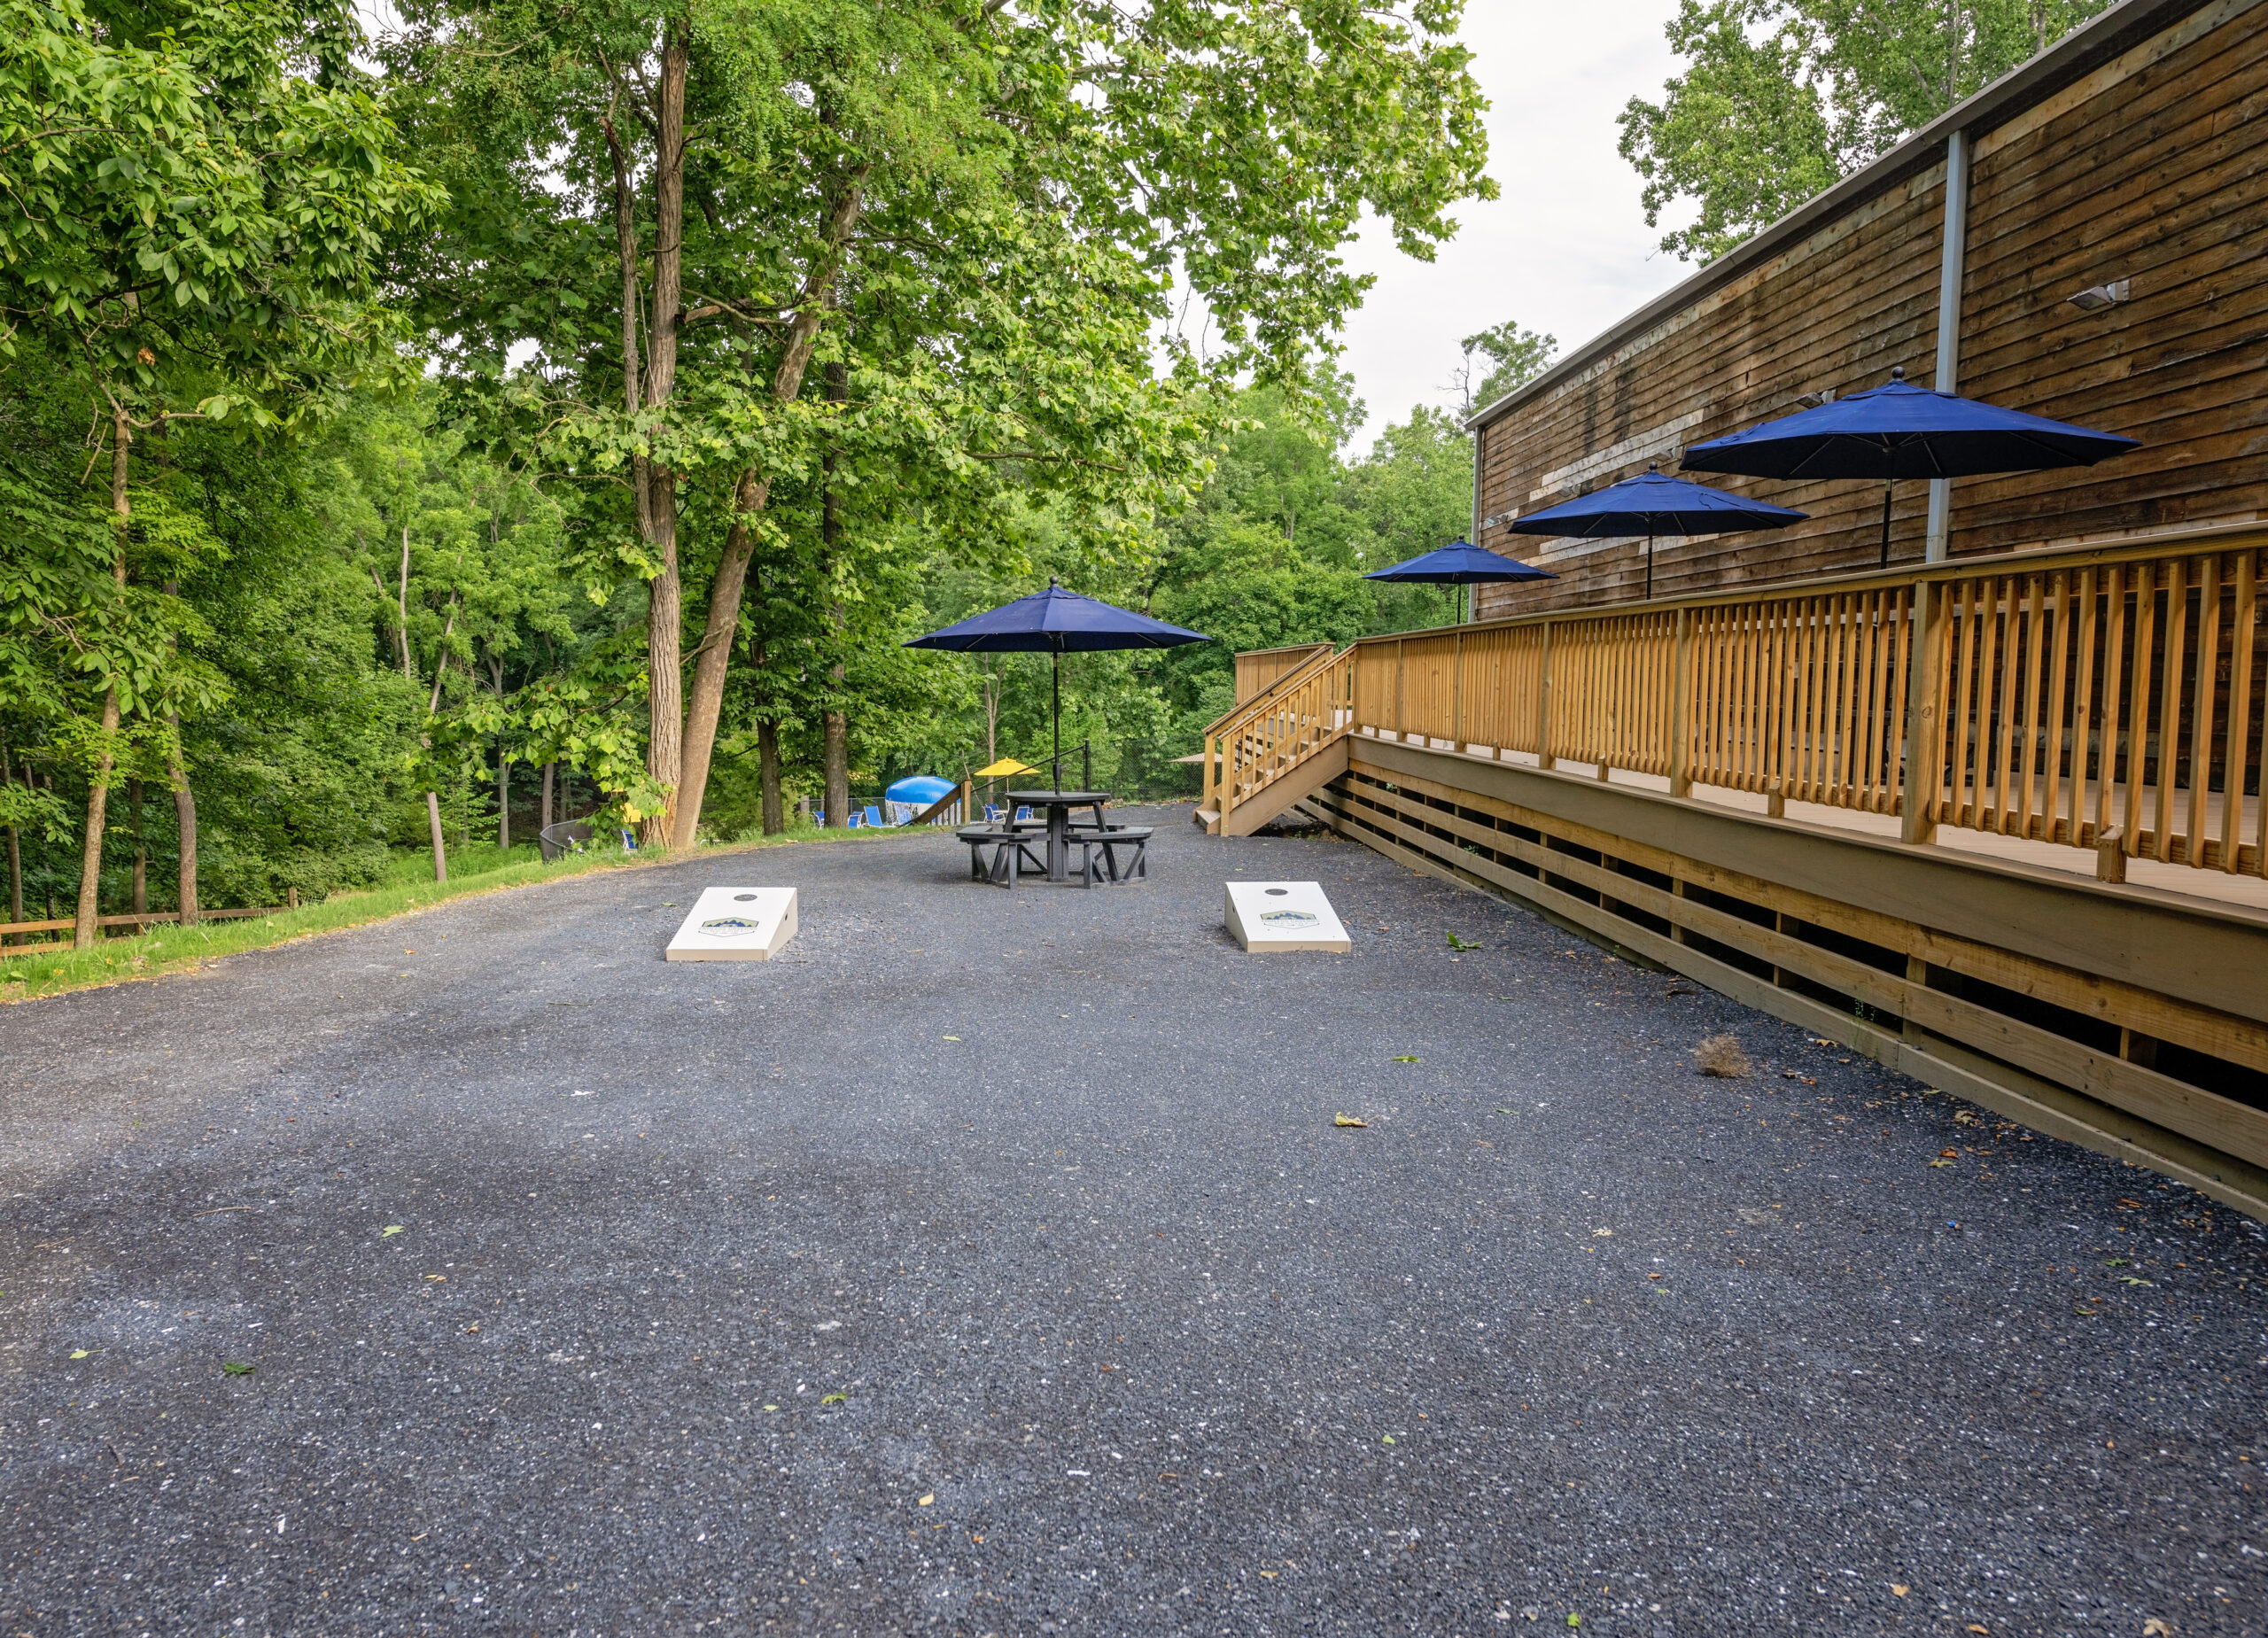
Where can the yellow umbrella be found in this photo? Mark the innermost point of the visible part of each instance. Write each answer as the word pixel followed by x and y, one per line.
pixel 1003 769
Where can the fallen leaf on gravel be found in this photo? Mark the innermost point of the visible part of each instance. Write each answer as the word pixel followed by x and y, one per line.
pixel 1574 1620
pixel 772 1407
pixel 926 1500
pixel 2084 1313
pixel 390 1228
pixel 1974 1627
pixel 834 1399
pixel 468 1330
pixel 1347 1119
pixel 1937 1163
pixel 1653 1276
pixel 1407 1058
pixel 1389 1438
pixel 1899 1589
pixel 952 1037
pixel 2155 1629
pixel 1601 1234
pixel 82 1353
pixel 2131 1280
pixel 1950 1153
pixel 235 1370
pixel 1458 944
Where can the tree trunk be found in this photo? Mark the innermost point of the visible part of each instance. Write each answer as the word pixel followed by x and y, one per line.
pixel 711 659
pixel 767 763
pixel 714 657
pixel 543 811
pixel 503 800
pixel 838 766
pixel 15 847
pixel 141 850
pixel 86 929
pixel 665 613
pixel 184 821
pixel 440 842
pixel 433 705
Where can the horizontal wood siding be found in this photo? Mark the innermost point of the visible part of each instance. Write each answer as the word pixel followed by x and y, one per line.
pixel 2153 168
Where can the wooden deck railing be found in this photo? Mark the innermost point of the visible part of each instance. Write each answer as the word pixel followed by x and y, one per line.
pixel 2109 698
pixel 1257 669
pixel 1297 715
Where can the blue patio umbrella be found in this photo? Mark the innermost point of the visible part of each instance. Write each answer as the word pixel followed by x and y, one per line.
pixel 1461 563
pixel 1056 622
pixel 1901 431
pixel 1655 503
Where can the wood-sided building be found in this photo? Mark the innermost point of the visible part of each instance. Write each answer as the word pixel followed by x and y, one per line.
pixel 2131 158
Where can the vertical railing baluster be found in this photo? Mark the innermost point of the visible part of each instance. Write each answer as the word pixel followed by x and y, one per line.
pixel 2200 710
pixel 2233 760
pixel 2177 636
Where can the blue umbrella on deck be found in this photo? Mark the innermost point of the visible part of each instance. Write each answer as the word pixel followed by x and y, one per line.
pixel 1056 622
pixel 1651 504
pixel 1461 563
pixel 1901 431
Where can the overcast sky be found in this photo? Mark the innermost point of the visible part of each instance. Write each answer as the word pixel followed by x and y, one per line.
pixel 1566 249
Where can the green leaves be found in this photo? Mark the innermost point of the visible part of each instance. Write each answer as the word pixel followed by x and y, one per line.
pixel 1781 99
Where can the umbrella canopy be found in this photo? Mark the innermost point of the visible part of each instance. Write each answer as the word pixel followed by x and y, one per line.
pixel 1901 431
pixel 1655 503
pixel 1056 622
pixel 1461 563
pixel 1007 767
pixel 923 789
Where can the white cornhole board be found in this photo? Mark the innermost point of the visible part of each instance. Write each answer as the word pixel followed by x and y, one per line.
pixel 1269 916
pixel 736 923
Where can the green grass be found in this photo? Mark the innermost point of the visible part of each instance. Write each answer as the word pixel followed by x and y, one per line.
pixel 410 886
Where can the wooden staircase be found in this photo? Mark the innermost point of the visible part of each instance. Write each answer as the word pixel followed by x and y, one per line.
pixel 1285 742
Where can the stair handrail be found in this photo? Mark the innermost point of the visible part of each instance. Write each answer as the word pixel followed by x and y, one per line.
pixel 1298 674
pixel 1226 750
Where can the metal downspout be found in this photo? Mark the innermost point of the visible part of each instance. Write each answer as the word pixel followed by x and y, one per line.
pixel 1479 433
pixel 1949 280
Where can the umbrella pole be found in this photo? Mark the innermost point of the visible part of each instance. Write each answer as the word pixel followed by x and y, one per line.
pixel 1650 568
pixel 1057 698
pixel 1886 484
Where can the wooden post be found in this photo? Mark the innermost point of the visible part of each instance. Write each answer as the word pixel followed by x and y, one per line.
pixel 2110 855
pixel 1400 693
pixel 1226 790
pixel 1543 756
pixel 1923 776
pixel 1456 694
pixel 1681 708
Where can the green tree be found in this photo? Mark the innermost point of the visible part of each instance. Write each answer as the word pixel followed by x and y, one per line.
pixel 1779 99
pixel 196 194
pixel 761 243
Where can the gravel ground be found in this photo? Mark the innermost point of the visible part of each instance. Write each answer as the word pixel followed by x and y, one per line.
pixel 992 1264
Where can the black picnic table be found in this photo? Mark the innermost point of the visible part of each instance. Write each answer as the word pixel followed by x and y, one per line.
pixel 1059 805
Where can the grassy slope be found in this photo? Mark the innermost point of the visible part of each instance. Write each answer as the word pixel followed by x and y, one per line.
pixel 168 949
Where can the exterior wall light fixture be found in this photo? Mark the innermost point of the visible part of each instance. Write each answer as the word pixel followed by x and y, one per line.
pixel 2095 297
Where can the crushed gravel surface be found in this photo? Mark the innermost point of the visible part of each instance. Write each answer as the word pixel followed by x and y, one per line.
pixel 994 1263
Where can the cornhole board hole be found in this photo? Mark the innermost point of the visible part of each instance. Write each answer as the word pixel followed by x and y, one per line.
pixel 736 923
pixel 1268 916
